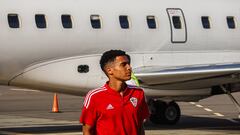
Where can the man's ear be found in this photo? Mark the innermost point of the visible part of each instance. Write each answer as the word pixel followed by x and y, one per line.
pixel 109 70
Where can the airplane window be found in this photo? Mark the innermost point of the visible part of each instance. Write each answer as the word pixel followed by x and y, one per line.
pixel 151 22
pixel 176 22
pixel 66 21
pixel 124 23
pixel 205 22
pixel 40 21
pixel 95 21
pixel 83 68
pixel 13 21
pixel 231 22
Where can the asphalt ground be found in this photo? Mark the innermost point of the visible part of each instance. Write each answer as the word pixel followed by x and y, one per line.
pixel 24 111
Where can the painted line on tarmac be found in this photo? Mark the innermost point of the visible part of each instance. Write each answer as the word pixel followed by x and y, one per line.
pixel 210 110
pixel 200 106
pixel 218 114
pixel 26 90
pixel 207 109
pixel 193 103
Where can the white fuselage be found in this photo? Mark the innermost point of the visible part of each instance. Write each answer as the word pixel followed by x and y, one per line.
pixel 48 58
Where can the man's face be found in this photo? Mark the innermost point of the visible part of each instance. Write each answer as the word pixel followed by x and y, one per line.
pixel 120 69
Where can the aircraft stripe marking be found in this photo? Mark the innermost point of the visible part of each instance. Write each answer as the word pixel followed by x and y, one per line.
pixel 218 114
pixel 207 109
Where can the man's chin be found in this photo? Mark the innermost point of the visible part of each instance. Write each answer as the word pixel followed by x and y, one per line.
pixel 127 79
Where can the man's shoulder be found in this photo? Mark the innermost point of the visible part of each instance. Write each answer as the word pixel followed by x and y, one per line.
pixel 96 91
pixel 93 95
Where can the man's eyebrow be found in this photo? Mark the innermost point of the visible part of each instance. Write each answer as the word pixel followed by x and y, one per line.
pixel 125 62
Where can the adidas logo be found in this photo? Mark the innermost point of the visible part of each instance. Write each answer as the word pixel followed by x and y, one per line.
pixel 110 107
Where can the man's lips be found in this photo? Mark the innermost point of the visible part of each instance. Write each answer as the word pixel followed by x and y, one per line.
pixel 129 74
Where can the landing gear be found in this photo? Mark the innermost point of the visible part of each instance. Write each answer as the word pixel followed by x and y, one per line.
pixel 163 112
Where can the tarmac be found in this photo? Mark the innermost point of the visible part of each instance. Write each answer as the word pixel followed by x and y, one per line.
pixel 27 112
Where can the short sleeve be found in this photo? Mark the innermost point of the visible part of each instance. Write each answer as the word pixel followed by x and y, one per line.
pixel 89 114
pixel 144 108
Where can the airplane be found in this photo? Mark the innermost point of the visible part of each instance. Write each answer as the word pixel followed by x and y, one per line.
pixel 181 50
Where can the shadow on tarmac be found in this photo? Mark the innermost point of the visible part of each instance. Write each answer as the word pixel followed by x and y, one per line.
pixel 44 129
pixel 185 123
pixel 198 123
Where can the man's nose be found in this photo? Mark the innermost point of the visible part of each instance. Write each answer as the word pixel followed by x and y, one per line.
pixel 129 67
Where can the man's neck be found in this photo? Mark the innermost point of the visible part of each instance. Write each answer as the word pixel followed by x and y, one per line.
pixel 119 86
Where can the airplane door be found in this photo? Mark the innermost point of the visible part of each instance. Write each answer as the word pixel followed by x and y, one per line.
pixel 177 25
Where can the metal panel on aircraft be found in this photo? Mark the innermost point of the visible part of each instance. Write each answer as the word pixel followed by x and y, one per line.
pixel 178 25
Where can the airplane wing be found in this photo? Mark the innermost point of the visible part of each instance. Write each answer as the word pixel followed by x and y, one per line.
pixel 188 77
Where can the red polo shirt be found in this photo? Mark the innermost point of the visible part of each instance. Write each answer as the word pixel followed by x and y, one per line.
pixel 112 114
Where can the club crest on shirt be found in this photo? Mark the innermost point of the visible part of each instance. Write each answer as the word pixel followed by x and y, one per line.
pixel 134 101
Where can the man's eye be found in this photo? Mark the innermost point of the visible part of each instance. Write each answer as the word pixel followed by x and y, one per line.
pixel 124 64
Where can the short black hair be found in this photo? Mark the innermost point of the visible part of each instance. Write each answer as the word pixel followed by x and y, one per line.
pixel 109 56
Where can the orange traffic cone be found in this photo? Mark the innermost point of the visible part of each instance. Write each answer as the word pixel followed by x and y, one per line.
pixel 55 104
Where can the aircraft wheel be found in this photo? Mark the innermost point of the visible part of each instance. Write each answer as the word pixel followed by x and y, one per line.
pixel 157 111
pixel 164 113
pixel 172 113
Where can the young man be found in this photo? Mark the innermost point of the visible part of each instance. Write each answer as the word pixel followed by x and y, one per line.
pixel 115 108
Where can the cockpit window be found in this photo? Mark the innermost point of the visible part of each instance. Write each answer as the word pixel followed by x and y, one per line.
pixel 124 21
pixel 95 21
pixel 40 21
pixel 13 21
pixel 151 22
pixel 66 21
